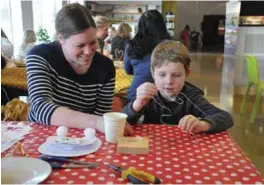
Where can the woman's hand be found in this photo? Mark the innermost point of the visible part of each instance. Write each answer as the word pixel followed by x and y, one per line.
pixel 100 127
pixel 145 92
pixel 129 131
pixel 191 123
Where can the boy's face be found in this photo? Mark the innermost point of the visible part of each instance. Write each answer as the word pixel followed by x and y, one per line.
pixel 170 78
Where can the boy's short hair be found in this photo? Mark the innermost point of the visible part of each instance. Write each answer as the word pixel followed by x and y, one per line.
pixel 170 51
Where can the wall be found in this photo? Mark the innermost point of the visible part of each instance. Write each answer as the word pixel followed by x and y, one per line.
pixel 192 12
pixel 131 2
pixel 27 15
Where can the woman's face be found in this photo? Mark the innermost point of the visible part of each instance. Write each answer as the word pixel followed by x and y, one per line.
pixel 102 32
pixel 80 48
pixel 111 32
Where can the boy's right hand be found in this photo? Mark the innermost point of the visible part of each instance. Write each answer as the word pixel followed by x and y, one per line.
pixel 145 92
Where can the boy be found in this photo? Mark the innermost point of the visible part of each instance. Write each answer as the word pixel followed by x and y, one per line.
pixel 172 100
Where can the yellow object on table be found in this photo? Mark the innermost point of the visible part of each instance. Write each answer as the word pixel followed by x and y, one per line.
pixel 14 77
pixel 122 80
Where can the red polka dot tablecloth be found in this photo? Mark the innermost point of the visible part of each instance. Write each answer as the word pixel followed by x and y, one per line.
pixel 175 157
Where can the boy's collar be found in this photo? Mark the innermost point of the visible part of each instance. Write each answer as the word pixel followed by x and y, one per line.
pixel 167 98
pixel 163 100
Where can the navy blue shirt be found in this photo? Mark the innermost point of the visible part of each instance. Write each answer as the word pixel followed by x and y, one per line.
pixel 140 68
pixel 52 82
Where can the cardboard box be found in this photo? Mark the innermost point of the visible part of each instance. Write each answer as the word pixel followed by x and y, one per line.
pixel 133 145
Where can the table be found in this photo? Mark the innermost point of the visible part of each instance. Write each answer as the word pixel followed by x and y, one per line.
pixel 173 157
pixel 16 77
pixel 123 80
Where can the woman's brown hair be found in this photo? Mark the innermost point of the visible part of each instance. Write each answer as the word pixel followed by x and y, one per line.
pixel 124 30
pixel 73 19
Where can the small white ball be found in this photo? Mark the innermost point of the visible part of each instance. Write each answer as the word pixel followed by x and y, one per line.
pixel 62 131
pixel 89 133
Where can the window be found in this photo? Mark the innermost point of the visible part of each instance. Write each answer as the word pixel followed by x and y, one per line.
pixel 44 13
pixel 76 1
pixel 11 17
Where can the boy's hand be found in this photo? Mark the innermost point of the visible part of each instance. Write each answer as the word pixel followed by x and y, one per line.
pixel 129 131
pixel 144 93
pixel 190 123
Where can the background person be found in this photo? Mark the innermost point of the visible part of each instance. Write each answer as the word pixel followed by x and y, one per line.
pixel 120 41
pixel 111 32
pixel 7 48
pixel 29 40
pixel 151 31
pixel 102 24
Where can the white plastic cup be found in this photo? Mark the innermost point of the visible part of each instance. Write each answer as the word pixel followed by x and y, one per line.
pixel 114 123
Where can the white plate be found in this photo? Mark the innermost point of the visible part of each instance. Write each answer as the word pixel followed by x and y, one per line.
pixel 82 141
pixel 49 149
pixel 24 170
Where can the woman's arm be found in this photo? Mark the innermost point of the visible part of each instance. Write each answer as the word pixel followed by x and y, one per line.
pixel 75 119
pixel 43 109
pixel 106 92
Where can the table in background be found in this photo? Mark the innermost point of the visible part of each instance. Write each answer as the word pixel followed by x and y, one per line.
pixel 16 77
pixel 174 158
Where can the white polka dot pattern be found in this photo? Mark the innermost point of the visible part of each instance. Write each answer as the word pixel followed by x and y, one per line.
pixel 174 157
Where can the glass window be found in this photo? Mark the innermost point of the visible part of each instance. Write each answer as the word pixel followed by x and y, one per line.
pixel 44 13
pixel 11 17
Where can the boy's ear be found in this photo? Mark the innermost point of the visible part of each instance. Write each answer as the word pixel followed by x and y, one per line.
pixel 189 72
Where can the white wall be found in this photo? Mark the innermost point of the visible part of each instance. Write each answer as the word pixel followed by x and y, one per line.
pixel 27 15
pixel 192 12
pixel 250 40
pixel 137 2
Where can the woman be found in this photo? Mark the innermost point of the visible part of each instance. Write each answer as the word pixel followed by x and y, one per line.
pixel 120 41
pixel 102 24
pixel 7 48
pixel 29 40
pixel 151 31
pixel 111 32
pixel 69 83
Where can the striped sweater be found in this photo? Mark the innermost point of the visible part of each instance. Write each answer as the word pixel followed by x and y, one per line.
pixel 52 82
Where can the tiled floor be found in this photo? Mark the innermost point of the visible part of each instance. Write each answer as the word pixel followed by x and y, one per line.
pixel 216 77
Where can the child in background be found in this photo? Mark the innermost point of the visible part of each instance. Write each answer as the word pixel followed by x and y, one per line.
pixel 172 100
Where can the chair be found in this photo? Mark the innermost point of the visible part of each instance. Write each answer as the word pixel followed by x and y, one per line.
pixel 253 78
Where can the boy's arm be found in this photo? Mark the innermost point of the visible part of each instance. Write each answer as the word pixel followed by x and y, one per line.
pixel 132 115
pixel 220 120
pixel 136 108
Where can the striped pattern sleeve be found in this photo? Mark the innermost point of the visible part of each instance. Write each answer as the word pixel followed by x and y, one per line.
pixel 105 96
pixel 39 89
